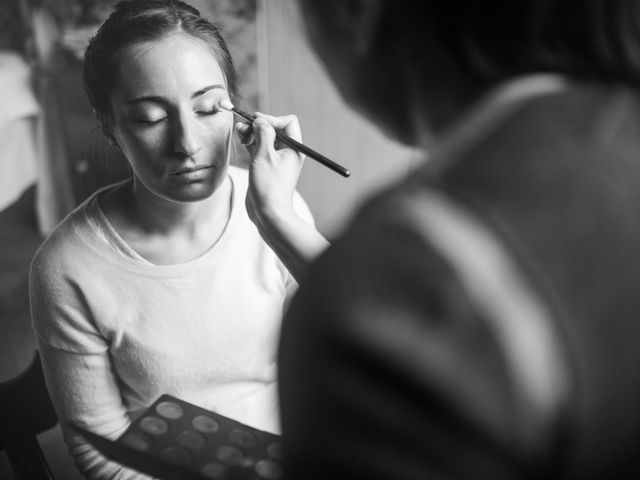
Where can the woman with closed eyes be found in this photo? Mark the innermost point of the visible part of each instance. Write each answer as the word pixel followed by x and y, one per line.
pixel 173 281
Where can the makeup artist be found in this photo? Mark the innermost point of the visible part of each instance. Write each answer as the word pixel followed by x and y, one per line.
pixel 480 319
pixel 162 283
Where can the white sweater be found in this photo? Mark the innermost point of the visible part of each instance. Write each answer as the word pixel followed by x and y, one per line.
pixel 115 331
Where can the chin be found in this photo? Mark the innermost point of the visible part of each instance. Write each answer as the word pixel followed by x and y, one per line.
pixel 194 191
pixel 194 195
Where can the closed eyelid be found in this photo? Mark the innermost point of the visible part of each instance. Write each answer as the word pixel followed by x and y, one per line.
pixel 209 102
pixel 206 108
pixel 149 117
pixel 151 113
pixel 155 121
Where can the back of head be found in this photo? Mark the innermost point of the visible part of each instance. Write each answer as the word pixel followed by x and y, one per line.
pixel 141 21
pixel 431 58
pixel 494 39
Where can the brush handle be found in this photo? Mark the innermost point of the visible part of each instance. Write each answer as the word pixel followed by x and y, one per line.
pixel 299 147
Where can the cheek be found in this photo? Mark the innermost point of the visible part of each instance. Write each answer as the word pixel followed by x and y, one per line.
pixel 137 145
pixel 216 132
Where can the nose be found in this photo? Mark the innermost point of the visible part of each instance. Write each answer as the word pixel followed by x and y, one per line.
pixel 186 140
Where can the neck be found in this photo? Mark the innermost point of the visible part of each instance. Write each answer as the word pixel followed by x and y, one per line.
pixel 437 103
pixel 159 216
pixel 433 90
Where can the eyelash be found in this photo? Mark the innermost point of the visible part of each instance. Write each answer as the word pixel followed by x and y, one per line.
pixel 149 122
pixel 206 113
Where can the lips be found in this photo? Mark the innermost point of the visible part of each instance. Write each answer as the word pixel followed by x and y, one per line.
pixel 188 170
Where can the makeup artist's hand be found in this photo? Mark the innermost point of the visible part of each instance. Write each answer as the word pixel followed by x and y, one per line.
pixel 274 168
pixel 273 176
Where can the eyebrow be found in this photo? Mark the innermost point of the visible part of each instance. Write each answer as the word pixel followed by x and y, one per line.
pixel 159 99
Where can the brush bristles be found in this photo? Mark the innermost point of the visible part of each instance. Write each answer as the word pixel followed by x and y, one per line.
pixel 226 104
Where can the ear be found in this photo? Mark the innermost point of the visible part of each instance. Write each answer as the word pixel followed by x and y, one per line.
pixel 363 20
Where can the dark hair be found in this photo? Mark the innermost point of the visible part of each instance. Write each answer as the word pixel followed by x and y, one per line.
pixel 496 39
pixel 138 21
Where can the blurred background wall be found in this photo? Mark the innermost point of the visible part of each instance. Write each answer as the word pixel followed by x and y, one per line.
pixel 291 80
pixel 53 155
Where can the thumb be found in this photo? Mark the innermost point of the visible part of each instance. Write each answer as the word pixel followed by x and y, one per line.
pixel 265 137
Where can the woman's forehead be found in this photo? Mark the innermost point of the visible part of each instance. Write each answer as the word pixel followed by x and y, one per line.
pixel 169 63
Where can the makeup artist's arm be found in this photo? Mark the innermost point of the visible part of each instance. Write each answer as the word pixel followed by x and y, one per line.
pixel 273 178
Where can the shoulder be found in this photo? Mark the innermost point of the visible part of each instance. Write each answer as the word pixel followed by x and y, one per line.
pixel 384 262
pixel 387 248
pixel 62 241
pixel 72 245
pixel 392 296
pixel 383 311
pixel 566 126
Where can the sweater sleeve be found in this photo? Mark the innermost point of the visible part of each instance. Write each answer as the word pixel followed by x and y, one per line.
pixel 76 361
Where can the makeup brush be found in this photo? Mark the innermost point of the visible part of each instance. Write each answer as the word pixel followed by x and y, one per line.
pixel 288 141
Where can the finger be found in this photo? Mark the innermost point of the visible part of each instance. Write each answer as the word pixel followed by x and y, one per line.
pixel 289 124
pixel 245 133
pixel 265 136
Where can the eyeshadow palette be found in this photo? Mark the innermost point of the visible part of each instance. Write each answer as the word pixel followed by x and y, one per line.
pixel 175 440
